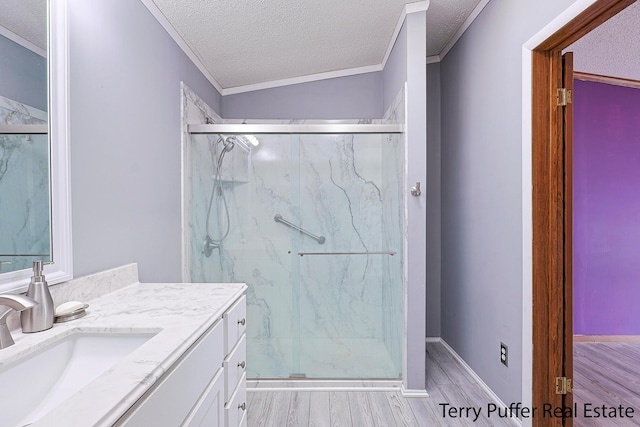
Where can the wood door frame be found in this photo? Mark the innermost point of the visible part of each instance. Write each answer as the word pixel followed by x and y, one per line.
pixel 548 200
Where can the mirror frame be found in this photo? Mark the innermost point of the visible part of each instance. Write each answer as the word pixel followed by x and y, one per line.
pixel 59 154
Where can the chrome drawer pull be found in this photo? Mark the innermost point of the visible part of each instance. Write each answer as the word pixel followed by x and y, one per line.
pixel 243 406
pixel 241 364
pixel 242 321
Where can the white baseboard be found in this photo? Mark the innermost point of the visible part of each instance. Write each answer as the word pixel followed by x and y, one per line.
pixel 413 393
pixel 475 376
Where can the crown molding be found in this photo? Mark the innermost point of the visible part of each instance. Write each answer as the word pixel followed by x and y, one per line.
pixel 409 8
pixel 22 41
pixel 433 59
pixel 162 20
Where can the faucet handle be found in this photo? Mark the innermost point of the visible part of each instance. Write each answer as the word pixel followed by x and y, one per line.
pixel 6 340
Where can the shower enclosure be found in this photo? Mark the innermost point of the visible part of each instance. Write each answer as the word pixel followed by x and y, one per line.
pixel 310 217
pixel 24 186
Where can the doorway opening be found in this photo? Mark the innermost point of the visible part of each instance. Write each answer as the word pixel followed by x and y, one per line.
pixel 552 315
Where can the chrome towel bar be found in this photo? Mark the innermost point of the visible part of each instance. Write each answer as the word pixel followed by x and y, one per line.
pixel 346 253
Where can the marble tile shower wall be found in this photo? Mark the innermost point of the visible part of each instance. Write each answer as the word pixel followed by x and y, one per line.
pixel 24 187
pixel 347 188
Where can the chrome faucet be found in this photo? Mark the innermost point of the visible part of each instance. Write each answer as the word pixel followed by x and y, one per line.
pixel 18 303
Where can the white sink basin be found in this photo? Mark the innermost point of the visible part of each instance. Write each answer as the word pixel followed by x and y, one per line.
pixel 34 385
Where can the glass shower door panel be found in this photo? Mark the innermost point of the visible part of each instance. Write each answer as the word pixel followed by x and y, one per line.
pixel 350 286
pixel 257 251
pixel 24 200
pixel 269 258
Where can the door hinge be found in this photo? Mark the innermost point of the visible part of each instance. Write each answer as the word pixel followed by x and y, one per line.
pixel 563 385
pixel 563 97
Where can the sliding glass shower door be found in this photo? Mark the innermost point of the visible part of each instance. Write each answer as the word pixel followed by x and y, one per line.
pixel 315 230
pixel 350 286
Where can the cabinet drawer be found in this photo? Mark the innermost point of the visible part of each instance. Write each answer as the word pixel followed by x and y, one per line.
pixel 237 406
pixel 171 398
pixel 209 410
pixel 234 367
pixel 235 319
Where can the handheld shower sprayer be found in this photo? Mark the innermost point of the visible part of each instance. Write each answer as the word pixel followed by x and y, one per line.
pixel 210 243
pixel 228 142
pixel 248 142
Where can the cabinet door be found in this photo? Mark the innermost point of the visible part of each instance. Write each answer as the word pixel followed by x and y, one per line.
pixel 234 367
pixel 237 406
pixel 172 397
pixel 235 320
pixel 209 410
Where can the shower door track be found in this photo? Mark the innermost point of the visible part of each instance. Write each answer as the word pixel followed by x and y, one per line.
pixel 318 128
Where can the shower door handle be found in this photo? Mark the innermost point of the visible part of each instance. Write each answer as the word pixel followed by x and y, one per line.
pixel 319 239
pixel 390 253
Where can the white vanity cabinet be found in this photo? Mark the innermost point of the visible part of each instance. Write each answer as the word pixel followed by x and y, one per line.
pixel 206 386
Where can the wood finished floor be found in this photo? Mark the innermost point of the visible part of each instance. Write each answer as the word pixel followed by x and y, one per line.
pixel 606 374
pixel 447 382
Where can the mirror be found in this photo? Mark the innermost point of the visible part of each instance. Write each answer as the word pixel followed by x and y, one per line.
pixel 34 195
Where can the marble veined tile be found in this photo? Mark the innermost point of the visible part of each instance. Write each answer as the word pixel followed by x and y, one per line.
pixel 24 187
pixel 324 358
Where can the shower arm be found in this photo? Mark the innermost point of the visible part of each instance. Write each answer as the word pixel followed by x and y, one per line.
pixel 319 239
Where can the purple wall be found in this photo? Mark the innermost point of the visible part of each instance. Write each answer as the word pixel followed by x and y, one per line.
pixel 606 202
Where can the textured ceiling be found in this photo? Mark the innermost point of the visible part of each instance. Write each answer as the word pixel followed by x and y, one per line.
pixel 444 19
pixel 245 42
pixel 612 49
pixel 26 18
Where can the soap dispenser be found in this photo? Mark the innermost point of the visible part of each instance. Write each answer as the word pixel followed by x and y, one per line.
pixel 40 317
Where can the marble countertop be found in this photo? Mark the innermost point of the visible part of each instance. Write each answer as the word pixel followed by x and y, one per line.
pixel 179 313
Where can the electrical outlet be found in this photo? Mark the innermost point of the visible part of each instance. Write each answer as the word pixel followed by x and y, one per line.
pixel 504 354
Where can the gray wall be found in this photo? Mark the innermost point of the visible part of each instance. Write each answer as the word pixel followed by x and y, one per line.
pixel 358 96
pixel 481 83
pixel 23 75
pixel 395 70
pixel 125 74
pixel 433 201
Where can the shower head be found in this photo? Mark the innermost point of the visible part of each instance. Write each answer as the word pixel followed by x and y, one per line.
pixel 248 142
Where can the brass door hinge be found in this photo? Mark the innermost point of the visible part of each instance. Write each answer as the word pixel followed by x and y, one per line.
pixel 563 97
pixel 563 385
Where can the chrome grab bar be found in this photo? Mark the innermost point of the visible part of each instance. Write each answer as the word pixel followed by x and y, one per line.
pixel 319 239
pixel 346 253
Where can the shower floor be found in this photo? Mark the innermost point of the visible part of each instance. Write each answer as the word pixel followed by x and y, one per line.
pixel 320 358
